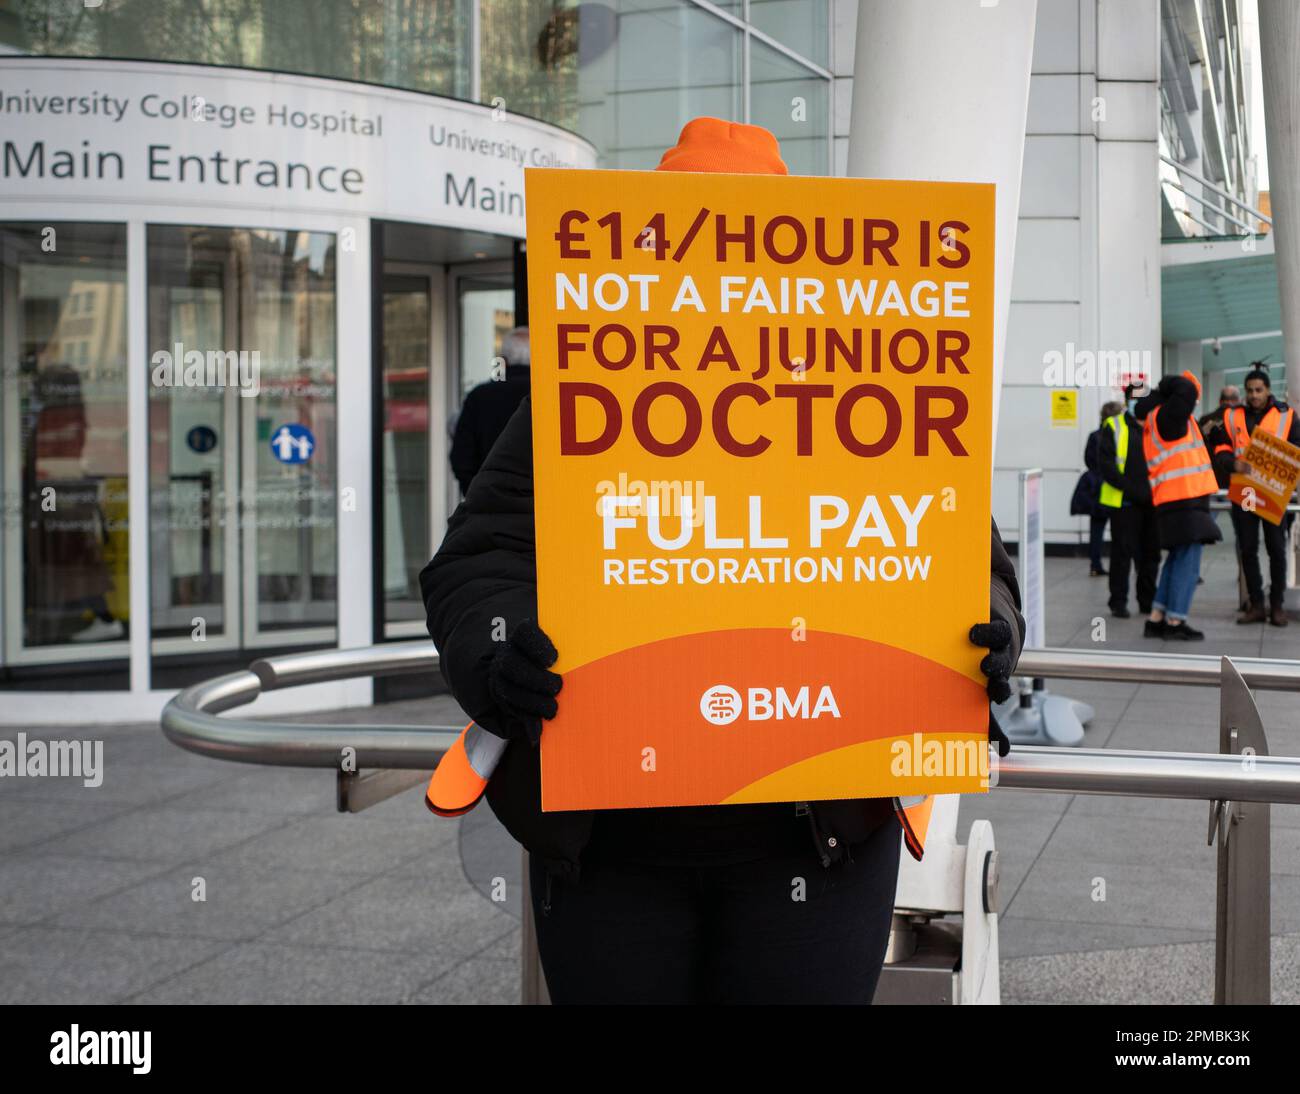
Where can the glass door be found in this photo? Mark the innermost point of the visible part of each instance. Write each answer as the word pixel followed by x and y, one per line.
pixel 64 536
pixel 241 438
pixel 485 314
pixel 413 447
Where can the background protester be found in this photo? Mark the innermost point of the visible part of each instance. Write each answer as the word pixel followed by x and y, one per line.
pixel 1182 483
pixel 1126 495
pixel 1230 441
pixel 1230 396
pixel 487 409
pixel 1087 493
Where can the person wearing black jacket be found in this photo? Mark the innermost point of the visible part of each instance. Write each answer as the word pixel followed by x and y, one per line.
pixel 1248 526
pixel 1183 525
pixel 1134 541
pixel 1100 513
pixel 779 902
pixel 488 407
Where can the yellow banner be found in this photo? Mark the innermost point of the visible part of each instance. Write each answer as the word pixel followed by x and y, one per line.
pixel 762 415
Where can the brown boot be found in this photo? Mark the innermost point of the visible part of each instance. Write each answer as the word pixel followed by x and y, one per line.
pixel 1278 616
pixel 1253 614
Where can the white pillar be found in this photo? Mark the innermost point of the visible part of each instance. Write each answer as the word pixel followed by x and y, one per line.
pixel 1279 47
pixel 940 93
pixel 137 459
pixel 355 504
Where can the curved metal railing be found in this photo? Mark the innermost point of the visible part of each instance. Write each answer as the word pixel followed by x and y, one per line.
pixel 1241 773
pixel 192 721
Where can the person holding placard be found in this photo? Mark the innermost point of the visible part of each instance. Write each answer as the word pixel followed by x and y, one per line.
pixel 772 901
pixel 1232 434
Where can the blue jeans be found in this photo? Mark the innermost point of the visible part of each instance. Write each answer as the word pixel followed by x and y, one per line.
pixel 1178 581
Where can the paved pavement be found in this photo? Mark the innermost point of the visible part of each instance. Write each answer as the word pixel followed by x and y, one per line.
pixel 183 879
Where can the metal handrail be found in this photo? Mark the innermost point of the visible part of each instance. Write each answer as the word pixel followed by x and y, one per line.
pixel 1257 214
pixel 1242 771
pixel 1203 776
pixel 1132 667
pixel 191 721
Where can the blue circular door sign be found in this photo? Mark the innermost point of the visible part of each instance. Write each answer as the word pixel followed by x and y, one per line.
pixel 293 443
pixel 202 438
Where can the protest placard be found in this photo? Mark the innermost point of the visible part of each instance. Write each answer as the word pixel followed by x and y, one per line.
pixel 1266 489
pixel 762 415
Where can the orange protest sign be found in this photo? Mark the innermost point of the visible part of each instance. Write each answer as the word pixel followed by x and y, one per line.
pixel 762 415
pixel 1267 487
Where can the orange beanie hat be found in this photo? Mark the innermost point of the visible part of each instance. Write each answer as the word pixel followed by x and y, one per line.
pixel 710 144
pixel 1190 375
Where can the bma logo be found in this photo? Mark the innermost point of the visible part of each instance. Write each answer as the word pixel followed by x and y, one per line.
pixel 721 705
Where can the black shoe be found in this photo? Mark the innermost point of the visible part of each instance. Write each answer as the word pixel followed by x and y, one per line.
pixel 1120 613
pixel 1145 609
pixel 1154 630
pixel 1181 632
pixel 1097 571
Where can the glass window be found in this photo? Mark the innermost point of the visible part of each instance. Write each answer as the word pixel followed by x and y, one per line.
pixel 793 103
pixel 487 315
pixel 242 454
pixel 64 451
pixel 407 331
pixel 800 25
pixel 627 75
pixel 422 45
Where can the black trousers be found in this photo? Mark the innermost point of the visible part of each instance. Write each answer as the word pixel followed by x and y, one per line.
pixel 1097 534
pixel 775 930
pixel 1135 543
pixel 1247 528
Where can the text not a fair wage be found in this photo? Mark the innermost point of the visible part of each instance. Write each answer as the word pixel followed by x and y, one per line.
pixel 786 295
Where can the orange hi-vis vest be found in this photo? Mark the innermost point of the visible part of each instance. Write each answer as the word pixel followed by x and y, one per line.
pixel 1275 421
pixel 1179 469
pixel 461 778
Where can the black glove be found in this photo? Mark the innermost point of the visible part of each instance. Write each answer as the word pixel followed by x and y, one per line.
pixel 995 636
pixel 520 683
pixel 997 736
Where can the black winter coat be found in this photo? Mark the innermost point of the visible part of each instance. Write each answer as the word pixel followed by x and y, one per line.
pixel 483 416
pixel 1178 523
pixel 485 570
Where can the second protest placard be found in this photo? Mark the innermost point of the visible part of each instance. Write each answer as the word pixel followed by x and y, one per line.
pixel 762 447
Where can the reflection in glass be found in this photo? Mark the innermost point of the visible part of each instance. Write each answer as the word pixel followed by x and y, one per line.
pixel 626 74
pixel 64 451
pixel 800 25
pixel 487 315
pixel 406 444
pixel 794 104
pixel 422 45
pixel 243 488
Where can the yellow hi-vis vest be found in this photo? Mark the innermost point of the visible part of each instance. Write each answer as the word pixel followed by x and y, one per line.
pixel 1113 496
pixel 461 778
